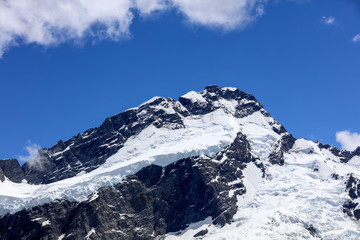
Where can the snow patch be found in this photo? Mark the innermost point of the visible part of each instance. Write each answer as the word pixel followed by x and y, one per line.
pixel 61 237
pixel 232 89
pixel 92 231
pixel 153 99
pixel 47 222
pixel 93 196
pixel 194 97
pixel 355 161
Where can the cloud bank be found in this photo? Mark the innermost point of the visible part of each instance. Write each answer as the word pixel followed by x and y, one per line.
pixel 51 22
pixel 349 141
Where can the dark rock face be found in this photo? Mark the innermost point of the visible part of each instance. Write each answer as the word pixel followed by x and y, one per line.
pixel 196 108
pixel 37 222
pixel 12 170
pixel 154 201
pixel 356 152
pixel 201 233
pixel 248 109
pixel 353 189
pixel 239 152
pixel 2 176
pixel 284 145
pixel 311 229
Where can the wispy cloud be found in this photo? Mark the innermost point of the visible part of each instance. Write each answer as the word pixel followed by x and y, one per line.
pixel 356 38
pixel 50 22
pixel 328 20
pixel 34 158
pixel 349 141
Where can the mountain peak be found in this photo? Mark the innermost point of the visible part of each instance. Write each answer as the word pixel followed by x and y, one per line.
pixel 214 157
pixel 231 100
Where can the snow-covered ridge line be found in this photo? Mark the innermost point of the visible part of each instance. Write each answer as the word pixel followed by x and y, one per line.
pixel 87 151
pixel 197 133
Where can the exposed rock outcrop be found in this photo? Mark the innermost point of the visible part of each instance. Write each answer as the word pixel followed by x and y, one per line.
pixel 12 170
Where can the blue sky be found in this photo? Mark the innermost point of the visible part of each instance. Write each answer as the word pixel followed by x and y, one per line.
pixel 301 59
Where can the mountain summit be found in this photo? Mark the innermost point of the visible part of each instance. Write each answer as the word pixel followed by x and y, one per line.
pixel 212 165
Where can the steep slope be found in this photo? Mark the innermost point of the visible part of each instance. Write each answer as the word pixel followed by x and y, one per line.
pixel 213 165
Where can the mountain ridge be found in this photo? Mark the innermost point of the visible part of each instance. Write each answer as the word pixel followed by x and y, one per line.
pixel 244 151
pixel 79 161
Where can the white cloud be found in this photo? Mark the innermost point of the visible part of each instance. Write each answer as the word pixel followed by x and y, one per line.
pixel 50 22
pixel 328 20
pixel 356 38
pixel 349 141
pixel 228 14
pixel 34 158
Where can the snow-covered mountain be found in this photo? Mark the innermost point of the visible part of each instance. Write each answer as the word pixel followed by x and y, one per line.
pixel 212 165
